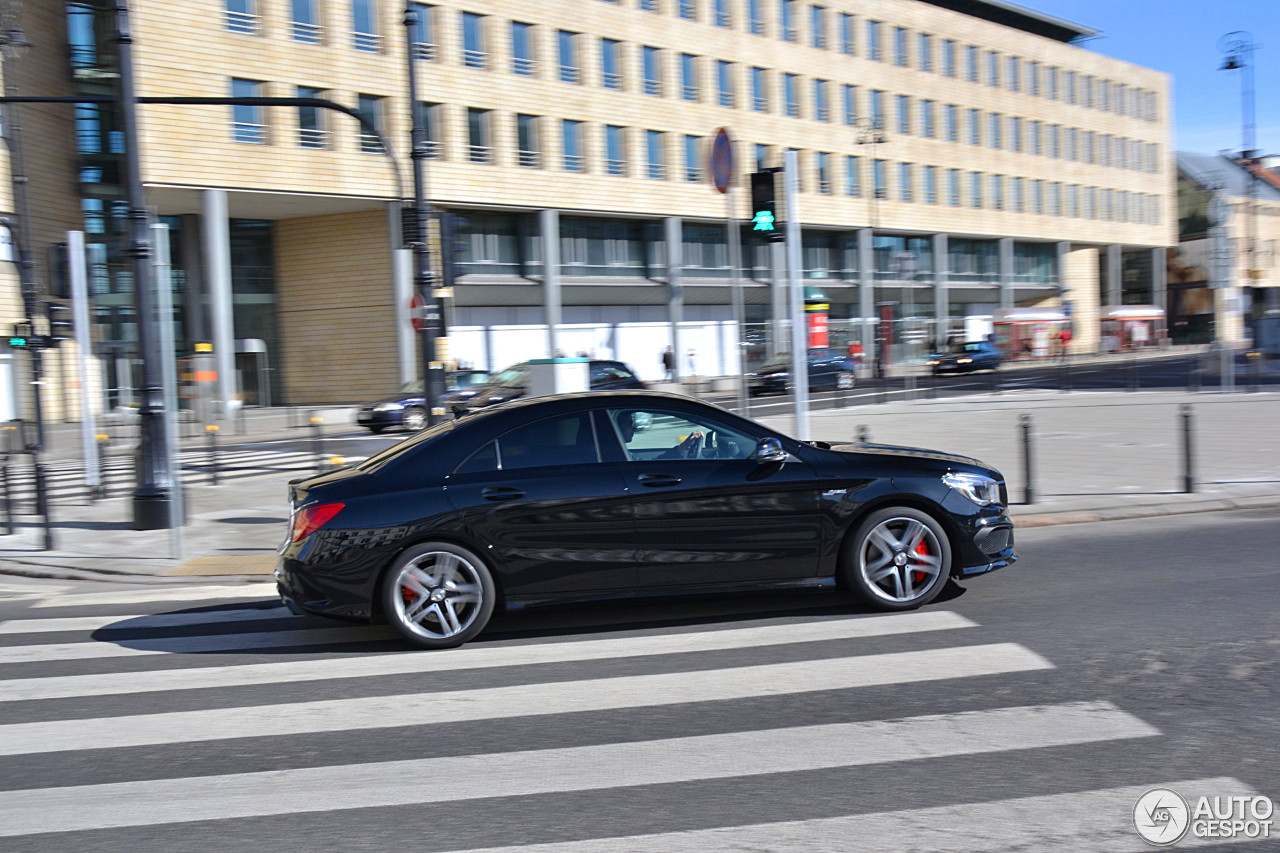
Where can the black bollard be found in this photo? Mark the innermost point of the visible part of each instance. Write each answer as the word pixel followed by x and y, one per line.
pixel 212 430
pixel 864 435
pixel 1029 496
pixel 8 506
pixel 101 492
pixel 1188 471
pixel 317 441
pixel 1133 373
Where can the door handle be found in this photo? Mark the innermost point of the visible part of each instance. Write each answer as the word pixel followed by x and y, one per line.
pixel 658 480
pixel 501 493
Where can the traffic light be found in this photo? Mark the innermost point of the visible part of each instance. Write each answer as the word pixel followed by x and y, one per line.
pixel 22 337
pixel 61 327
pixel 764 206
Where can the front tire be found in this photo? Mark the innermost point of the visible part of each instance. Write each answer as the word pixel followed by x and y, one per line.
pixel 438 595
pixel 899 558
pixel 415 418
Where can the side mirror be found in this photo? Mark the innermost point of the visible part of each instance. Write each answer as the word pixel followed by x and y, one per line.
pixel 769 450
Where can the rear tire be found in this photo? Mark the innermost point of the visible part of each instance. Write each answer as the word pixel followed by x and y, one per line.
pixel 438 595
pixel 376 429
pixel 899 558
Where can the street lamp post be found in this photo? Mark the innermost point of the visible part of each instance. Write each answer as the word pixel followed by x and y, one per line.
pixel 13 45
pixel 423 280
pixel 870 131
pixel 1239 47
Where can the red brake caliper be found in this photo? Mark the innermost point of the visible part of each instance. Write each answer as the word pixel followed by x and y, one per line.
pixel 923 550
pixel 408 595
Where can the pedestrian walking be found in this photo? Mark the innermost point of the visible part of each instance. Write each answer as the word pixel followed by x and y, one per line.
pixel 668 365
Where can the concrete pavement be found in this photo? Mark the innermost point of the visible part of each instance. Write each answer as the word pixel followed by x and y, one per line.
pixel 1095 456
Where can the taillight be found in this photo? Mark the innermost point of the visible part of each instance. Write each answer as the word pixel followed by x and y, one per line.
pixel 643 384
pixel 309 520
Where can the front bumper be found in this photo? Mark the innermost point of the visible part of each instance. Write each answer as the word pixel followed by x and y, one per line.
pixel 371 418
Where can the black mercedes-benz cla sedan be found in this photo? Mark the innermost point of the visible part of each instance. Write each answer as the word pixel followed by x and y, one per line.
pixel 562 498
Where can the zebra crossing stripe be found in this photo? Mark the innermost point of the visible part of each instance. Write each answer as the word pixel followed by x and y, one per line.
pixel 477 656
pixel 610 766
pixel 1098 821
pixel 182 593
pixel 379 712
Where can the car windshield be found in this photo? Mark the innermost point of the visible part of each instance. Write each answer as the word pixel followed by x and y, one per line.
pixel 513 375
pixel 414 387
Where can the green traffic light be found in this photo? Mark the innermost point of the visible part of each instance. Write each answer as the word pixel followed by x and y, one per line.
pixel 17 342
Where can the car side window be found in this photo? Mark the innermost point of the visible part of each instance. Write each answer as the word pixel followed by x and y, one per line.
pixel 649 434
pixel 484 459
pixel 567 440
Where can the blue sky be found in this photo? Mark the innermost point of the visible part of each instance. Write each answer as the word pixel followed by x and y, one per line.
pixel 1181 39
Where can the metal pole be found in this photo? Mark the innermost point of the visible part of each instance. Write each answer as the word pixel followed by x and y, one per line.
pixel 154 490
pixel 799 346
pixel 169 370
pixel 84 344
pixel 1188 471
pixel 1027 472
pixel 212 431
pixel 423 280
pixel 317 441
pixel 739 310
pixel 8 505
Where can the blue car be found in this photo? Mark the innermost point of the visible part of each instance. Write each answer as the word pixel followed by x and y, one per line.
pixel 408 408
pixel 966 358
pixel 827 371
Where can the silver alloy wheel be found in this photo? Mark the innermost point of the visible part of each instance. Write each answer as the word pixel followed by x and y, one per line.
pixel 415 418
pixel 438 595
pixel 900 560
pixel 844 380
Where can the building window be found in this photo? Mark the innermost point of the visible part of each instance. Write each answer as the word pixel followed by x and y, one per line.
pixel 953 123
pixel 877 109
pixel 689 77
pixel 852 176
pixel 948 58
pixel 242 17
pixel 975 127
pixel 364 26
pixel 905 190
pixel 1013 80
pixel 528 149
pixel 615 150
pixel 924 52
pixel 820 112
pixel 971 63
pixel 994 120
pixel 762 157
pixel 823 162
pixel 1015 193
pixel 305 21
pixel 478 148
pixel 648 5
pixel 800 182
pixel 847 45
pixel 692 159
pixel 311 124
pixel 370 106
pixel 473 52
pixel 818 27
pixel 930 184
pixel 874 50
pixel 1033 137
pixel 429 118
pixel 953 188
pixel 651 62
pixel 724 82
pixel 926 119
pixel 247 122
pixel 975 189
pixel 570 72
pixel 687 10
pixel 850 104
pixel 522 59
pixel 900 54
pixel 610 64
pixel 759 91
pixel 993 69
pixel 1015 133
pixel 723 18
pixel 571 142
pixel 878 179
pixel 755 17
pixel 904 115
pixel 1051 140
pixel 1033 77
pixel 1069 144
pixel 997 191
pixel 1037 201
pixel 791 94
pixel 787 20
pixel 653 154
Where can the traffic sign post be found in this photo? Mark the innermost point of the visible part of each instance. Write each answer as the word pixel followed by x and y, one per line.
pixel 722 174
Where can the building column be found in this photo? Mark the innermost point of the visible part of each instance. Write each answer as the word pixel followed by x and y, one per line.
pixel 1160 282
pixel 1005 245
pixel 673 239
pixel 867 291
pixel 941 298
pixel 1115 268
pixel 217 254
pixel 549 226
pixel 1079 276
pixel 402 290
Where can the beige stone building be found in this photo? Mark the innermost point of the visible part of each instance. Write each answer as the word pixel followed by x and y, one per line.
pixel 958 161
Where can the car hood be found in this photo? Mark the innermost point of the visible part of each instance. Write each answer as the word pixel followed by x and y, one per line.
pixel 910 453
pixel 402 399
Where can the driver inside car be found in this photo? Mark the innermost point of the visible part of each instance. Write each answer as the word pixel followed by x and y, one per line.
pixel 689 448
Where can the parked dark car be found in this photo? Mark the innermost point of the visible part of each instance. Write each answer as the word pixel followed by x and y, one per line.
pixel 967 357
pixel 560 498
pixel 408 408
pixel 512 384
pixel 827 371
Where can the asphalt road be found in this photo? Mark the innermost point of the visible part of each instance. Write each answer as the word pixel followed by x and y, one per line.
pixel 1026 710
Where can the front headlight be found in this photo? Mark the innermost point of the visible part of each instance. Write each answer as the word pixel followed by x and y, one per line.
pixel 982 490
pixel 388 407
pixel 964 361
pixel 933 361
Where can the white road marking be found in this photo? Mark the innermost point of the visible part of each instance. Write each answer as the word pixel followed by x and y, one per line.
pixel 143 620
pixel 139 595
pixel 752 753
pixel 379 712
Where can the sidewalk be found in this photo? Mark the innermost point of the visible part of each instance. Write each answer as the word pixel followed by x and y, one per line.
pixel 1096 455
